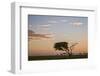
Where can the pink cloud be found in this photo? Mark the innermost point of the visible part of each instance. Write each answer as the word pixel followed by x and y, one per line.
pixel 35 36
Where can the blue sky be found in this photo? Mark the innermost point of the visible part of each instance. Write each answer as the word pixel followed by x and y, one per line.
pixel 59 25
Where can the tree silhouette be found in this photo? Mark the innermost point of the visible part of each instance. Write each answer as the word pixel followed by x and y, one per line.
pixel 72 47
pixel 62 46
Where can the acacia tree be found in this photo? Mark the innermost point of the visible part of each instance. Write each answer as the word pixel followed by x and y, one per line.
pixel 63 46
pixel 72 47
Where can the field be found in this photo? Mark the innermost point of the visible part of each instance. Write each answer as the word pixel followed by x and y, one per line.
pixel 30 58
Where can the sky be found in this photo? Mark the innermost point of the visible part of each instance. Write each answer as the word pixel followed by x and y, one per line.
pixel 45 30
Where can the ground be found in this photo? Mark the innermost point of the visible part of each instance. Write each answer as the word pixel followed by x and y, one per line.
pixel 30 58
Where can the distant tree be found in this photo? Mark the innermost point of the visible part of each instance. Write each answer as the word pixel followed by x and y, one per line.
pixel 62 46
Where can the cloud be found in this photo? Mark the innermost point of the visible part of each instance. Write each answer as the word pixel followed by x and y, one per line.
pixel 58 21
pixel 45 26
pixel 50 35
pixel 30 32
pixel 77 24
pixel 35 36
pixel 64 20
pixel 30 26
pixel 53 21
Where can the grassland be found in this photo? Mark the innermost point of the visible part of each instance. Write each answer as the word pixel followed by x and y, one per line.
pixel 30 58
